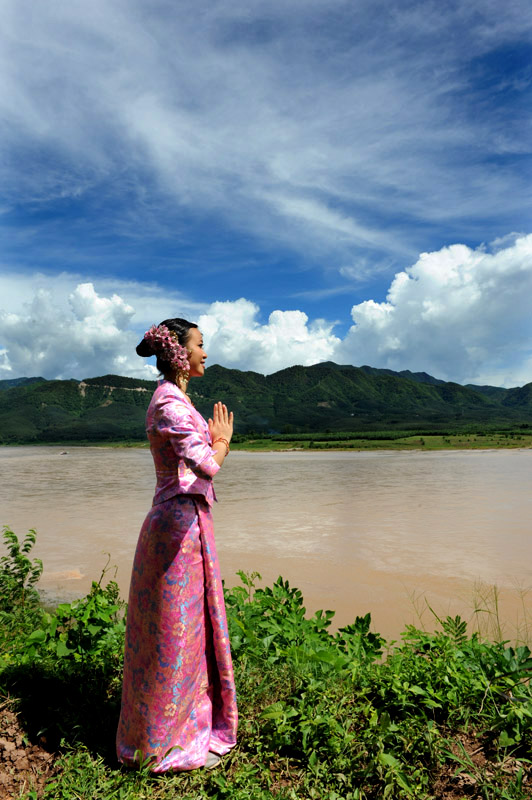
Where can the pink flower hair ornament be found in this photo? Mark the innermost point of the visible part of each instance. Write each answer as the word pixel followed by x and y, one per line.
pixel 165 345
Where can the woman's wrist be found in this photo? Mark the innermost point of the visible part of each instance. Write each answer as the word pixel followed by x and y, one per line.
pixel 223 441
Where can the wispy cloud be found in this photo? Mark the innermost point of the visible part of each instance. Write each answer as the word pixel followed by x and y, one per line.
pixel 326 127
pixel 285 159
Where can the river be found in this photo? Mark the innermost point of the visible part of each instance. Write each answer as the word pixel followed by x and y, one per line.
pixel 391 533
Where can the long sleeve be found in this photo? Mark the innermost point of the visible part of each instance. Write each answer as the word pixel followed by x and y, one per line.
pixel 177 424
pixel 180 443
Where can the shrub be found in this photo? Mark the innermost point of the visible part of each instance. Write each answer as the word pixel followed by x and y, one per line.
pixel 90 629
pixel 18 573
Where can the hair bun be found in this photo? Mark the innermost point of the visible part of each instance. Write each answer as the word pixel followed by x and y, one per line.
pixel 144 349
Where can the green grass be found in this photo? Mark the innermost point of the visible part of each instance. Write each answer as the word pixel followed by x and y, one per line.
pixel 331 715
pixel 424 441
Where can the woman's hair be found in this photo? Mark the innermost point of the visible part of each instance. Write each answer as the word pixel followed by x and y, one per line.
pixel 181 327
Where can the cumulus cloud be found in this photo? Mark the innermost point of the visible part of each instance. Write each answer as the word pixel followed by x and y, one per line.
pixel 235 338
pixel 89 336
pixel 458 313
pixel 149 301
pixel 71 330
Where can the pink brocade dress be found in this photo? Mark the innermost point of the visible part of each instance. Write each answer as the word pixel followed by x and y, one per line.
pixel 178 696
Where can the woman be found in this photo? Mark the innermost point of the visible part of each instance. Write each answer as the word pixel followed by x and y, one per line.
pixel 178 697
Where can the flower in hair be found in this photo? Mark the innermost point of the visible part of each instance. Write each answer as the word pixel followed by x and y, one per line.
pixel 165 345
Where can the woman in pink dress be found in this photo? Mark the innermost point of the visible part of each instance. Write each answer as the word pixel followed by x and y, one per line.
pixel 178 698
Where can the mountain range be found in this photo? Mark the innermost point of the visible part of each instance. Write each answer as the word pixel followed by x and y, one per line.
pixel 323 397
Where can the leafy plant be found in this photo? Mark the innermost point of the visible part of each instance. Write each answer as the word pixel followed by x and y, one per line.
pixel 323 714
pixel 18 573
pixel 89 629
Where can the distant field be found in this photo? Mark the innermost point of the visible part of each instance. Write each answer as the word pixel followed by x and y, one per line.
pixel 374 440
pixel 458 441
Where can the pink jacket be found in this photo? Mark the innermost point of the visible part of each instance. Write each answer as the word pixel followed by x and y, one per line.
pixel 181 446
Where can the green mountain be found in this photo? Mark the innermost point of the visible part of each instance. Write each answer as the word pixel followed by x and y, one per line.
pixel 418 377
pixel 323 397
pixel 489 391
pixel 10 383
pixel 334 397
pixel 99 409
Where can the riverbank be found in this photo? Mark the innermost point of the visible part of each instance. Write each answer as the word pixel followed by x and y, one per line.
pixel 418 442
pixel 334 716
pixel 265 443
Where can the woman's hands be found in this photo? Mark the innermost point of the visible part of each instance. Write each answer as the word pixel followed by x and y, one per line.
pixel 221 427
pixel 221 424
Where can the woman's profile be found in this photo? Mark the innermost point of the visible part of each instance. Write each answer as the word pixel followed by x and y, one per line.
pixel 178 698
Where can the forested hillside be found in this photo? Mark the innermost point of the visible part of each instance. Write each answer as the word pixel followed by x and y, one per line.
pixel 298 399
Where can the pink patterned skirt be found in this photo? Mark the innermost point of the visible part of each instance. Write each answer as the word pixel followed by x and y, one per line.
pixel 178 696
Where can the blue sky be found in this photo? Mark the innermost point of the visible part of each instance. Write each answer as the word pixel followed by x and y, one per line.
pixel 310 180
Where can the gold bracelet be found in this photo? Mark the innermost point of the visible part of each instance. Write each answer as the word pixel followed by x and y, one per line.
pixel 221 439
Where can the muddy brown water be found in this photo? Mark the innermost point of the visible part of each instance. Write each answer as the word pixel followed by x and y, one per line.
pixel 390 533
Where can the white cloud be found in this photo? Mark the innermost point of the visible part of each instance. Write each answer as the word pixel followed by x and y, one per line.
pixel 308 123
pixel 235 338
pixel 69 326
pixel 87 336
pixel 150 302
pixel 458 313
pixel 69 329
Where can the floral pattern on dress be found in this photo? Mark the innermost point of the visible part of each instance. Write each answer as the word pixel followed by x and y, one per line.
pixel 178 696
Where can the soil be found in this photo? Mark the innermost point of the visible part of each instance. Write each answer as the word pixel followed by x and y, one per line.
pixel 466 777
pixel 24 766
pixel 27 766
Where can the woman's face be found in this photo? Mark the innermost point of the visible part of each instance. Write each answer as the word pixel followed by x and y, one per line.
pixel 196 353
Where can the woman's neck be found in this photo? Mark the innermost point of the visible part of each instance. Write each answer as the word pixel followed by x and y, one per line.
pixel 182 384
pixel 179 381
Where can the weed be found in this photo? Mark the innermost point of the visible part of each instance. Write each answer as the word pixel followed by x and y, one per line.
pixel 18 573
pixel 323 714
